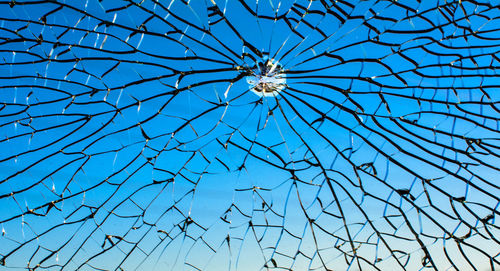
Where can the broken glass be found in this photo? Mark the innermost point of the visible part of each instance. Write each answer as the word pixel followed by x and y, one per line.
pixel 249 135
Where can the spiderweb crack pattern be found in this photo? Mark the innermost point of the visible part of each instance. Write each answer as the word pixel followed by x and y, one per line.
pixel 131 139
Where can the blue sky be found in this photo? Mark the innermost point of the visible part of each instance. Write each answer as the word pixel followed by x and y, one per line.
pixel 131 137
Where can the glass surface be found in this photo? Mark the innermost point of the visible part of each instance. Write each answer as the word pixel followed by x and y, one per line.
pixel 249 135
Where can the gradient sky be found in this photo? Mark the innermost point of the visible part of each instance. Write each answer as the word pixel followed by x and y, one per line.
pixel 131 138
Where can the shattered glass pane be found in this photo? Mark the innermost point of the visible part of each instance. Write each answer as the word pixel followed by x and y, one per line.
pixel 249 135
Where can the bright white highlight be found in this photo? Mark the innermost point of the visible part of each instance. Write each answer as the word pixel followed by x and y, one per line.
pixel 267 78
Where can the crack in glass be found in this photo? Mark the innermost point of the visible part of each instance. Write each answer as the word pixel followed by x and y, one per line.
pixel 266 78
pixel 249 135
